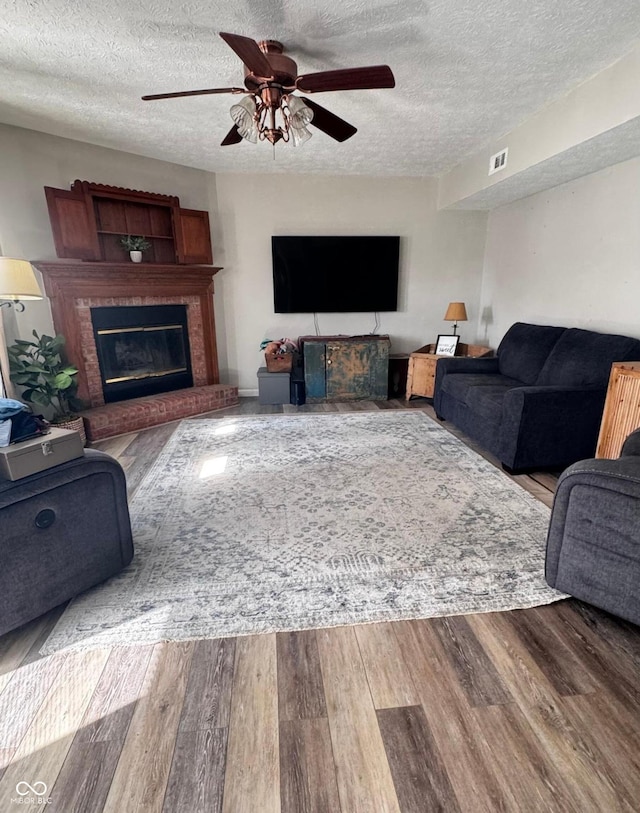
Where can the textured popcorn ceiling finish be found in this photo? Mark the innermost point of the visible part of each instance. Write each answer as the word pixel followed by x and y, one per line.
pixel 465 72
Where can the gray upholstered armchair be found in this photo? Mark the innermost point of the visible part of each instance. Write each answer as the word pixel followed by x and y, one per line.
pixel 593 545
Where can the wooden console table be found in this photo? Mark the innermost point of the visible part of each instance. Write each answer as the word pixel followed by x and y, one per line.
pixel 422 367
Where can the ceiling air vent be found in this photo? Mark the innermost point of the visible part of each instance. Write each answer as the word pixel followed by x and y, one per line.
pixel 498 161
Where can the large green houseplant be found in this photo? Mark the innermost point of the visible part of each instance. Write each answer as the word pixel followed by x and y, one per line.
pixel 47 379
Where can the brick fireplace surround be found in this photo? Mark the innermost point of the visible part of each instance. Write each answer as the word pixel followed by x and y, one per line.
pixel 74 287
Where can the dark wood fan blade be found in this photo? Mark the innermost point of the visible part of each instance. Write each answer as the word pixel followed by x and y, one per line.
pixel 376 76
pixel 192 93
pixel 329 123
pixel 232 137
pixel 248 51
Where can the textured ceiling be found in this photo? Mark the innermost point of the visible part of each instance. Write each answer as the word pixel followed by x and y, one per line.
pixel 466 72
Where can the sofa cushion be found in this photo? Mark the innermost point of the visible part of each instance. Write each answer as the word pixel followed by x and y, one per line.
pixel 459 386
pixel 486 402
pixel 583 358
pixel 524 350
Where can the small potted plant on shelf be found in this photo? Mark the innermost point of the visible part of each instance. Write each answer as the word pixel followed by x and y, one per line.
pixel 48 380
pixel 279 354
pixel 135 245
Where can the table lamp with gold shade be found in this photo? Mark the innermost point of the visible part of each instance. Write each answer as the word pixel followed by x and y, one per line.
pixel 456 312
pixel 17 282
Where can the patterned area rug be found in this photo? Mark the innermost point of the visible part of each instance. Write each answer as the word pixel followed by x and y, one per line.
pixel 248 525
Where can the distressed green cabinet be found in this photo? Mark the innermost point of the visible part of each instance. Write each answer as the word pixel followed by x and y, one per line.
pixel 345 368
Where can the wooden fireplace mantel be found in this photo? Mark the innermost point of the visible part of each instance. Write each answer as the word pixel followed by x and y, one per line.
pixel 67 282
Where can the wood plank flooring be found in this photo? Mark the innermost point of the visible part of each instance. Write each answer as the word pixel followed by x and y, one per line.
pixel 529 710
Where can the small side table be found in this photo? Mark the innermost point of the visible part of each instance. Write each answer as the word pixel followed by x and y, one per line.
pixel 422 367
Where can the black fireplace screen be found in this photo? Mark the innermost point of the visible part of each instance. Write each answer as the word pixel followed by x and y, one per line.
pixel 142 349
pixel 142 352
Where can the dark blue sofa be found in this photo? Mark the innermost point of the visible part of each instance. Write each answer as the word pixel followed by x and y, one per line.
pixel 538 403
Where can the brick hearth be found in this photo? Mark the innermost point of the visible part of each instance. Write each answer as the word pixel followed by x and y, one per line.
pixel 140 413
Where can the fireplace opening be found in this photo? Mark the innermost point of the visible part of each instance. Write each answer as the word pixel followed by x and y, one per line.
pixel 142 350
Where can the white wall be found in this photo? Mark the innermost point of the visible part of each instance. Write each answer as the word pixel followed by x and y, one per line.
pixel 30 160
pixel 569 256
pixel 441 252
pixel 441 258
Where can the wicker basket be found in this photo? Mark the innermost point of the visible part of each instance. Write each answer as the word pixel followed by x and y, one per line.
pixel 279 362
pixel 77 424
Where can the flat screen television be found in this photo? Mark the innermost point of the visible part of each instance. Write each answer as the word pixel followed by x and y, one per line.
pixel 335 274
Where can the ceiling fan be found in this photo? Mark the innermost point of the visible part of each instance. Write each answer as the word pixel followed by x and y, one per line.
pixel 270 110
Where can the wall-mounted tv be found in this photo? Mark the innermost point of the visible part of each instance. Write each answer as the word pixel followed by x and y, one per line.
pixel 335 274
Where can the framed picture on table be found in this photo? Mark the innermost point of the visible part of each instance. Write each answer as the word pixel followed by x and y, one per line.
pixel 446 345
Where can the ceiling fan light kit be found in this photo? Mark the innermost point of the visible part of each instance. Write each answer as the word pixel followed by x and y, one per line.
pixel 257 120
pixel 270 111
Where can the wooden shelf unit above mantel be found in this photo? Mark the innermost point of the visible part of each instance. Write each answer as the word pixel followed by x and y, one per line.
pixel 88 220
pixel 67 281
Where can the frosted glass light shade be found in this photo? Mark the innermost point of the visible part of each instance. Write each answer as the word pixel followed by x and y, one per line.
pixel 301 115
pixel 242 114
pixel 17 280
pixel 299 135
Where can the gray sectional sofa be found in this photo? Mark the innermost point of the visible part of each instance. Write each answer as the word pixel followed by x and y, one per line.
pixel 538 403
